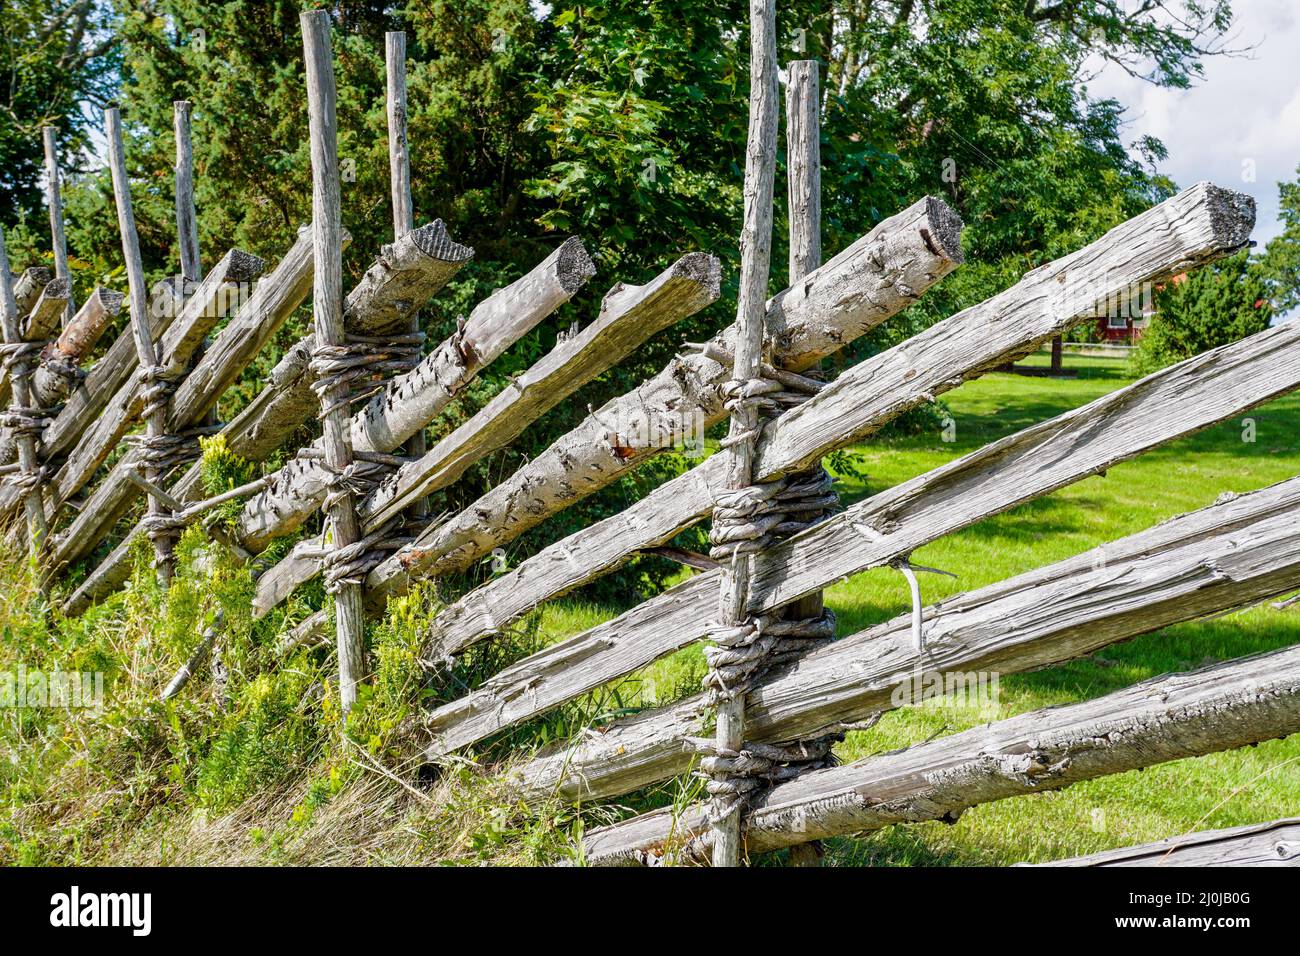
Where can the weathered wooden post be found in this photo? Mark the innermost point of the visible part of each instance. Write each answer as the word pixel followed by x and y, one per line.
pixel 54 197
pixel 187 223
pixel 399 165
pixel 327 309
pixel 804 184
pixel 150 372
pixel 755 261
pixel 23 418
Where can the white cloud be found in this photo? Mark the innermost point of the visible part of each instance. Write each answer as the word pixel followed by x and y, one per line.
pixel 1242 118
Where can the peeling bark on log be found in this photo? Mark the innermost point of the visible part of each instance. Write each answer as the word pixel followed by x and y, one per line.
pixel 200 314
pixel 1168 718
pixel 48 311
pixel 87 399
pixel 79 336
pixel 287 401
pixel 28 287
pixel 1276 843
pixel 629 316
pixel 411 401
pixel 1230 555
pixel 862 400
pixel 271 304
pixel 1174 402
pixel 876 277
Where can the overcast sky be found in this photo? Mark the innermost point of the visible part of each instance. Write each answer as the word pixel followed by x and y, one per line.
pixel 1245 110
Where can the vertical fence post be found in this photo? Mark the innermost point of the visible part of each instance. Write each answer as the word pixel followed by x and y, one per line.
pixel 804 181
pixel 25 422
pixel 755 261
pixel 399 165
pixel 54 198
pixel 150 372
pixel 327 309
pixel 187 223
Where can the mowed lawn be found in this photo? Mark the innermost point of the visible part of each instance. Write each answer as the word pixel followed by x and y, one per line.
pixel 1246 786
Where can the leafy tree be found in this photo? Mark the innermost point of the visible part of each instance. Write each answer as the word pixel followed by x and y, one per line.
pixel 56 58
pixel 1216 305
pixel 1282 257
pixel 624 121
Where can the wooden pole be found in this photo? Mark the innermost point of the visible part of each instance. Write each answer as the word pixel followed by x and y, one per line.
pixel 751 309
pixel 399 164
pixel 187 223
pixel 54 197
pixel 804 182
pixel 155 419
pixel 26 440
pixel 327 308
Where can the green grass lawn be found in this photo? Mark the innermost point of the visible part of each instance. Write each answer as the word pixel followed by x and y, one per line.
pixel 1222 790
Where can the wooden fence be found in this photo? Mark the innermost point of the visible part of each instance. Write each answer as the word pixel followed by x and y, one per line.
pixel 779 691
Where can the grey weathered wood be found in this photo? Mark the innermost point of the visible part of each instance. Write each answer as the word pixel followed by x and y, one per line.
pixel 755 261
pixel 211 302
pixel 405 274
pixel 187 222
pixel 414 399
pixel 888 526
pixel 327 311
pixel 49 311
pixel 54 200
pixel 804 202
pixel 1167 718
pixel 146 355
pixel 1229 555
pixel 78 337
pixel 1197 225
pixel 399 174
pixel 27 288
pixel 21 386
pixel 628 316
pixel 275 298
pixel 803 163
pixel 1276 843
pixel 876 277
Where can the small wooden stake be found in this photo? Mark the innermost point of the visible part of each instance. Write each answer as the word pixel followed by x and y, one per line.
pixel 22 396
pixel 327 308
pixel 751 309
pixel 54 198
pixel 399 165
pixel 187 223
pixel 155 422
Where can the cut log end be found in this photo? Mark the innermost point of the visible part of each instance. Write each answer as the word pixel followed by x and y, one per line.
pixel 943 235
pixel 1232 214
pixel 702 268
pixel 243 266
pixel 574 266
pixel 433 241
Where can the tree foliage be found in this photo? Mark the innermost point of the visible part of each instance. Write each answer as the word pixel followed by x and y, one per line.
pixel 624 121
pixel 1216 305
